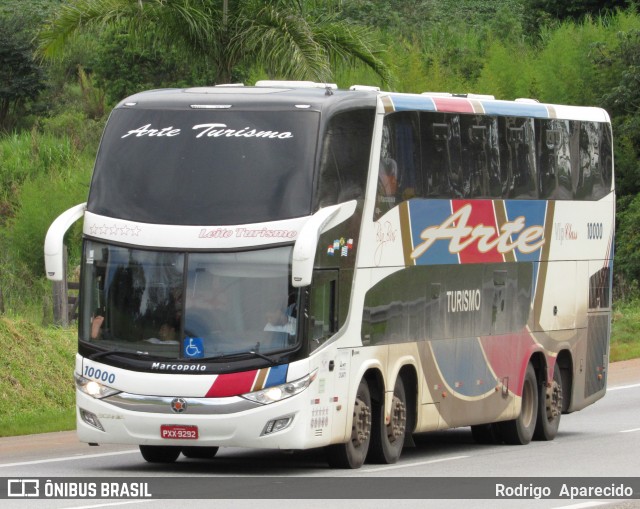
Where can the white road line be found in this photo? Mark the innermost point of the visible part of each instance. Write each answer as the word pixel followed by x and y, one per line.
pixel 66 458
pixel 585 505
pixel 409 465
pixel 620 387
pixel 630 430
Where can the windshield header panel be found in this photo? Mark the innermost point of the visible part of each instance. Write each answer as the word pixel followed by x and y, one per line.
pixel 213 156
pixel 200 167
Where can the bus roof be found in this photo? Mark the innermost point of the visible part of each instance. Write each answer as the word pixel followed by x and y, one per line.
pixel 319 96
pixel 487 105
pixel 255 98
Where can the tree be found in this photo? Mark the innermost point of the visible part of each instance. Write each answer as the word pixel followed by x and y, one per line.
pixel 21 78
pixel 619 63
pixel 542 12
pixel 281 36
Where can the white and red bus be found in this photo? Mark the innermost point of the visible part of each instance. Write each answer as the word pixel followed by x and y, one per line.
pixel 294 266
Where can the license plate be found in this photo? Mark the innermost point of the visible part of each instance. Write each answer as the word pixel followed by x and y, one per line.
pixel 175 432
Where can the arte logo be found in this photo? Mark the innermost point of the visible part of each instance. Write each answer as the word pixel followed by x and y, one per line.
pixel 512 235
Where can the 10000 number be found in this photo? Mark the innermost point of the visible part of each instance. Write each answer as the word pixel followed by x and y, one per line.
pixel 98 374
pixel 594 231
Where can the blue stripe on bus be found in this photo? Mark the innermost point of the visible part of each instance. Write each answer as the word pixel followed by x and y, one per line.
pixel 277 375
pixel 424 214
pixel 476 378
pixel 534 212
pixel 515 109
pixel 412 102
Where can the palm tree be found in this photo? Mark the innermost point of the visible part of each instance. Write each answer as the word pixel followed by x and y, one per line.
pixel 281 36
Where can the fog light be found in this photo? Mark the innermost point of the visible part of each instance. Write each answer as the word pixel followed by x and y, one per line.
pixel 91 419
pixel 277 425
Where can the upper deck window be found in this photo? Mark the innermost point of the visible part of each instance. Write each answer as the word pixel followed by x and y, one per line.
pixel 205 167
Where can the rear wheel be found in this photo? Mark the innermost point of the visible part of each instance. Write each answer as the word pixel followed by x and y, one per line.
pixel 519 431
pixel 204 453
pixel 549 407
pixel 353 453
pixel 388 439
pixel 160 453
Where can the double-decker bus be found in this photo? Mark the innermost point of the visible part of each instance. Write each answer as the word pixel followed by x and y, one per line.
pixel 293 266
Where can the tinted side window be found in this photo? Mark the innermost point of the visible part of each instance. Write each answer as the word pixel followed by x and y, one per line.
pixel 441 155
pixel 399 170
pixel 481 155
pixel 517 157
pixel 594 180
pixel 553 139
pixel 344 162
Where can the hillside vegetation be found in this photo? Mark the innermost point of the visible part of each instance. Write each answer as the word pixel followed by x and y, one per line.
pixel 37 391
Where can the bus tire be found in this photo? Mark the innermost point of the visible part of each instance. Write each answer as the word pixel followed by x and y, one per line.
pixel 353 453
pixel 203 453
pixel 549 407
pixel 160 453
pixel 519 431
pixel 388 440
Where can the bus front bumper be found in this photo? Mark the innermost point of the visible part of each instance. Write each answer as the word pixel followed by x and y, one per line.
pixel 225 422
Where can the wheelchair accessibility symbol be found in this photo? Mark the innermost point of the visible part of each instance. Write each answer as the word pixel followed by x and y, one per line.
pixel 192 348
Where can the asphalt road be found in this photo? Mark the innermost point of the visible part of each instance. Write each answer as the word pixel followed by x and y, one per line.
pixel 601 441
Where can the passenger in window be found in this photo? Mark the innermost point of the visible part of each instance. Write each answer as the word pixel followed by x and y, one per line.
pixel 387 175
pixel 96 326
pixel 281 319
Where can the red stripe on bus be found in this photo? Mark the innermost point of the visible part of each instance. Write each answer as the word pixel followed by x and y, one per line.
pixel 481 214
pixel 232 384
pixel 453 104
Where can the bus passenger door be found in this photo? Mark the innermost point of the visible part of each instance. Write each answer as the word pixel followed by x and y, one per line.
pixel 321 314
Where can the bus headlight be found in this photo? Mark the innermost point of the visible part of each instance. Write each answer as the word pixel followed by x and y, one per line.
pixel 280 392
pixel 93 388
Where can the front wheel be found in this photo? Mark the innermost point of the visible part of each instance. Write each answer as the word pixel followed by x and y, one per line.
pixel 160 453
pixel 519 431
pixel 353 453
pixel 388 439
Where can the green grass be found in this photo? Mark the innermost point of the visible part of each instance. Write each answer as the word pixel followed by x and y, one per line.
pixel 37 392
pixel 44 421
pixel 625 334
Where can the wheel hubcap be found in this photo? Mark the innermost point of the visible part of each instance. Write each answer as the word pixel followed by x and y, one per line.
pixel 361 430
pixel 553 400
pixel 398 424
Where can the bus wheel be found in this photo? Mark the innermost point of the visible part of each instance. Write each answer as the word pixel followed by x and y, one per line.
pixel 203 453
pixel 353 453
pixel 549 408
pixel 388 439
pixel 519 431
pixel 160 453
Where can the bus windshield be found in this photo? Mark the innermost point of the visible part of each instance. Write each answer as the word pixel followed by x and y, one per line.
pixel 188 305
pixel 205 167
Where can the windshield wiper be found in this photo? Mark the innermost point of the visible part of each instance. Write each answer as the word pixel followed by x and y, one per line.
pixel 248 353
pixel 105 353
